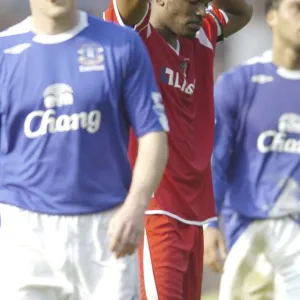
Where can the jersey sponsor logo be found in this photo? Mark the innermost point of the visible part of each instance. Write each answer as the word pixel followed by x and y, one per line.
pixel 41 122
pixel 178 81
pixel 91 58
pixel 278 141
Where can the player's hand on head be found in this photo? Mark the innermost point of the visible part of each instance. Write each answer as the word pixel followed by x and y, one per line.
pixel 126 230
pixel 214 249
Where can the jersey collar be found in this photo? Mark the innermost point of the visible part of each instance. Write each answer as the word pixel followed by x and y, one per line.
pixel 282 72
pixel 288 74
pixel 177 49
pixel 62 37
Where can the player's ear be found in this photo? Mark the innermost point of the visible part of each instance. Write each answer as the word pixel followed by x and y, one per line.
pixel 271 17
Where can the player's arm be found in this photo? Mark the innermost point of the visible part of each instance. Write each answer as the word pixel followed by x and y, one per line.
pixel 127 12
pixel 226 95
pixel 238 12
pixel 149 122
pixel 146 114
pixel 149 166
pixel 127 226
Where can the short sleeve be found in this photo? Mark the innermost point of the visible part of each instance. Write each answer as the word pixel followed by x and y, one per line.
pixel 213 26
pixel 141 95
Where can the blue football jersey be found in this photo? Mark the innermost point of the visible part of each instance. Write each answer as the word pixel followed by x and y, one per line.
pixel 256 160
pixel 67 103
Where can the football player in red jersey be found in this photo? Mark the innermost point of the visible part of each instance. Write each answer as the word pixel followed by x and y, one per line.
pixel 181 37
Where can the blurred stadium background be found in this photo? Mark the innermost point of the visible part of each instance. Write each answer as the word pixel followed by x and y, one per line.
pixel 251 41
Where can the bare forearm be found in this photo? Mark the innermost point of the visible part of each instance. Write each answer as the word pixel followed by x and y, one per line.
pixel 149 167
pixel 234 7
pixel 239 13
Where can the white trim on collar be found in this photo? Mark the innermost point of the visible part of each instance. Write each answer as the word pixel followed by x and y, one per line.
pixel 62 37
pixel 288 74
pixel 177 49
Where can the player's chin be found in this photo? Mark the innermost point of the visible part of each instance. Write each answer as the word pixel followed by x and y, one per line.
pixel 58 11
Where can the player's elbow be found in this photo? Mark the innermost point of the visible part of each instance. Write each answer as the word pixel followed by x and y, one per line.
pixel 239 8
pixel 238 19
pixel 246 15
pixel 164 148
pixel 154 146
pixel 161 141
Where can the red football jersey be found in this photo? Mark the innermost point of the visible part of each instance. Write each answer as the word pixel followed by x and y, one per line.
pixel 185 78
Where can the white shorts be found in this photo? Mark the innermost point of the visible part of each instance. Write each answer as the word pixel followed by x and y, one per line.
pixel 264 263
pixel 45 257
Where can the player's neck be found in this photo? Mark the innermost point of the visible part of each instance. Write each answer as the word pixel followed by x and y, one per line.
pixel 169 36
pixel 51 26
pixel 286 57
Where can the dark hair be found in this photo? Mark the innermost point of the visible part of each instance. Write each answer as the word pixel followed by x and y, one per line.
pixel 271 4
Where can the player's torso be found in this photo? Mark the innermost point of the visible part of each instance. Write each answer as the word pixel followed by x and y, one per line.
pixel 61 111
pixel 268 140
pixel 75 97
pixel 186 84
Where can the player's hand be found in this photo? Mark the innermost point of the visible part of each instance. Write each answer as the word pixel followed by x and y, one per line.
pixel 126 229
pixel 214 249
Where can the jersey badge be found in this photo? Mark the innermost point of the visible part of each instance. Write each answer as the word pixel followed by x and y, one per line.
pixel 91 58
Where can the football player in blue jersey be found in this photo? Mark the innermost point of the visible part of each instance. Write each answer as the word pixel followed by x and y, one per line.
pixel 72 211
pixel 256 168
